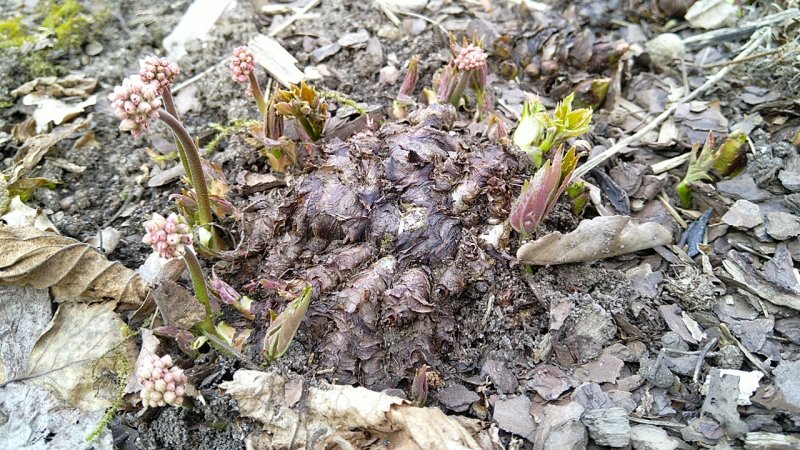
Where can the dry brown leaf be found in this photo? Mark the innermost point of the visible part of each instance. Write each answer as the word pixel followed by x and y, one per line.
pixel 29 256
pixel 78 347
pixel 19 214
pixel 74 85
pixel 598 238
pixel 24 315
pixel 34 148
pixel 334 414
pixel 56 111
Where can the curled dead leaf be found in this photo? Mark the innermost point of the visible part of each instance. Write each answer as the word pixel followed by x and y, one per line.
pixel 330 415
pixel 71 269
pixel 598 238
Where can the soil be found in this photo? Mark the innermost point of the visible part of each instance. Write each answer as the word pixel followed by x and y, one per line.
pixel 457 304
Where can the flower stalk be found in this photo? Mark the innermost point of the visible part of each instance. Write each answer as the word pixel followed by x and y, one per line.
pixel 243 67
pixel 467 69
pixel 404 97
pixel 139 100
pixel 205 219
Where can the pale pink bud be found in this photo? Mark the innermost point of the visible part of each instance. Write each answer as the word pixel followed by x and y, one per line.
pixel 242 64
pixel 167 237
pixel 470 57
pixel 159 72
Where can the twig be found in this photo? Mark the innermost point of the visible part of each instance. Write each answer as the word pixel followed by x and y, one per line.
pixel 660 423
pixel 442 29
pixel 668 206
pixel 669 164
pixel 755 41
pixel 749 58
pixel 294 17
pixel 194 79
pixel 702 357
pixel 733 33
pixel 726 333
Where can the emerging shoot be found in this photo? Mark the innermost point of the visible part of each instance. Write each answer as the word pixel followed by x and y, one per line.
pixel 283 327
pixel 727 160
pixel 541 192
pixel 538 132
pixel 307 107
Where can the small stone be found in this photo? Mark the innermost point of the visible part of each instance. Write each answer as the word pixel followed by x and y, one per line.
pixel 605 369
pixel 743 214
pixel 623 400
pixel 375 48
pixel 781 225
pixel 456 397
pixel 591 396
pixel 742 187
pixel 729 357
pixel 503 379
pixel 353 39
pixel 390 32
pixel 790 180
pixel 414 27
pixel 548 381
pixel 324 52
pixel 406 5
pixel 93 48
pixel 388 75
pixel 787 379
pixel 561 428
pixel 608 427
pixel 649 437
pixel 665 50
pixel 513 415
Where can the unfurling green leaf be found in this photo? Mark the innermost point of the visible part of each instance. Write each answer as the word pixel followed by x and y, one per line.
pixel 580 196
pixel 538 132
pixel 283 327
pixel 727 160
pixel 306 106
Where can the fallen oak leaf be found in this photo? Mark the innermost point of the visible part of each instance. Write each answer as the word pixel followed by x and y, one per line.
pixel 598 238
pixel 71 269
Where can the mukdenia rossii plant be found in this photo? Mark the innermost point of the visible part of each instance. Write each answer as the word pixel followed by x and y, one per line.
pixel 243 67
pixel 136 102
pixel 162 382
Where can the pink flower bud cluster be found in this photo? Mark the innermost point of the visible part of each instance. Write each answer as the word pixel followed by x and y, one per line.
pixel 135 102
pixel 242 64
pixel 169 236
pixel 162 383
pixel 160 71
pixel 471 57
